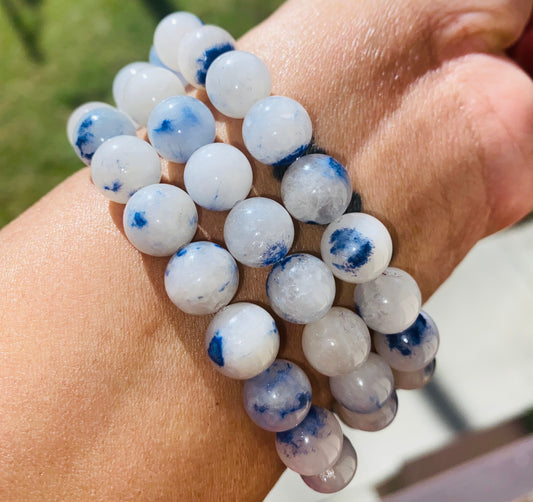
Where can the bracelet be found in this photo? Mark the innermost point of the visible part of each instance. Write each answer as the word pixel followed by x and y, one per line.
pixel 201 278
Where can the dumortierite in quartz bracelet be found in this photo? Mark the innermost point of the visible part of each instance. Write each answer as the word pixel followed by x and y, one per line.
pixel 201 278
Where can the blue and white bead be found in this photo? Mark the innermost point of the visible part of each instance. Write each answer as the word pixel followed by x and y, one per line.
pixel 170 32
pixel 178 126
pixel 300 288
pixel 201 278
pixel 217 176
pixel 316 189
pixel 198 49
pixel 279 398
pixel 242 340
pixel 123 77
pixel 96 126
pixel 410 380
pixel 339 475
pixel 357 247
pixel 411 349
pixel 235 81
pixel 312 446
pixel 390 303
pixel 159 219
pixel 277 130
pixel 76 115
pixel 336 343
pixel 367 388
pixel 258 232
pixel 122 165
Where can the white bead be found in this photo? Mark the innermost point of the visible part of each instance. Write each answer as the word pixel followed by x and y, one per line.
pixel 277 130
pixel 390 303
pixel 77 114
pixel 337 343
pixel 242 340
pixel 417 379
pixel 169 34
pixel 235 81
pixel 258 232
pixel 217 176
pixel 201 278
pixel 357 247
pixel 146 89
pixel 300 288
pixel 123 77
pixel 159 219
pixel 199 49
pixel 316 189
pixel 370 422
pixel 122 165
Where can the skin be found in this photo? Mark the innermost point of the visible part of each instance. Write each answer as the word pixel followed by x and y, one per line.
pixel 106 390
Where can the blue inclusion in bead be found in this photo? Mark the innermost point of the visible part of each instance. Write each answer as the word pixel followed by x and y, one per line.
pixel 348 241
pixel 311 425
pixel 224 286
pixel 412 337
pixel 115 187
pixel 289 159
pixel 181 252
pixel 165 127
pixel 208 57
pixel 85 137
pixel 274 253
pixel 302 400
pixel 139 220
pixel 335 168
pixel 214 350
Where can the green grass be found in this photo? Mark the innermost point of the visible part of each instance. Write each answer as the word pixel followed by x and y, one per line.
pixel 57 54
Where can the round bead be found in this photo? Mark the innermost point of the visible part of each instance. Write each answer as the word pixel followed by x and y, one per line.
pixel 337 343
pixel 300 288
pixel 217 176
pixel 235 81
pixel 316 189
pixel 96 126
pixel 258 232
pixel 357 247
pixel 180 125
pixel 312 446
pixel 201 278
pixel 367 388
pixel 277 130
pixel 410 380
pixel 169 34
pixel 337 476
pixel 411 349
pixel 147 88
pixel 390 303
pixel 123 77
pixel 159 219
pixel 242 340
pixel 279 398
pixel 77 113
pixel 370 422
pixel 123 165
pixel 199 49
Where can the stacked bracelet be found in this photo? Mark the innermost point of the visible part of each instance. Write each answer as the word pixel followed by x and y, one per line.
pixel 242 340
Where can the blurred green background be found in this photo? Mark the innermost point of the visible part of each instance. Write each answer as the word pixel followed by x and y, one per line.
pixel 57 54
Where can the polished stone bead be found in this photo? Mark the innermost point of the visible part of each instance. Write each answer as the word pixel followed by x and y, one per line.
pixel 411 349
pixel 312 446
pixel 242 340
pixel 122 165
pixel 96 126
pixel 410 380
pixel 199 48
pixel 169 34
pixel 77 113
pixel 201 278
pixel 316 189
pixel 258 232
pixel 337 343
pixel 217 176
pixel 300 288
pixel 159 219
pixel 390 303
pixel 367 388
pixel 357 247
pixel 339 475
pixel 279 398
pixel 235 81
pixel 123 77
pixel 178 126
pixel 277 130
pixel 146 89
pixel 370 422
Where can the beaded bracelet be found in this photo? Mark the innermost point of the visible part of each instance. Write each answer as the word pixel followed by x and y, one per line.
pixel 201 278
